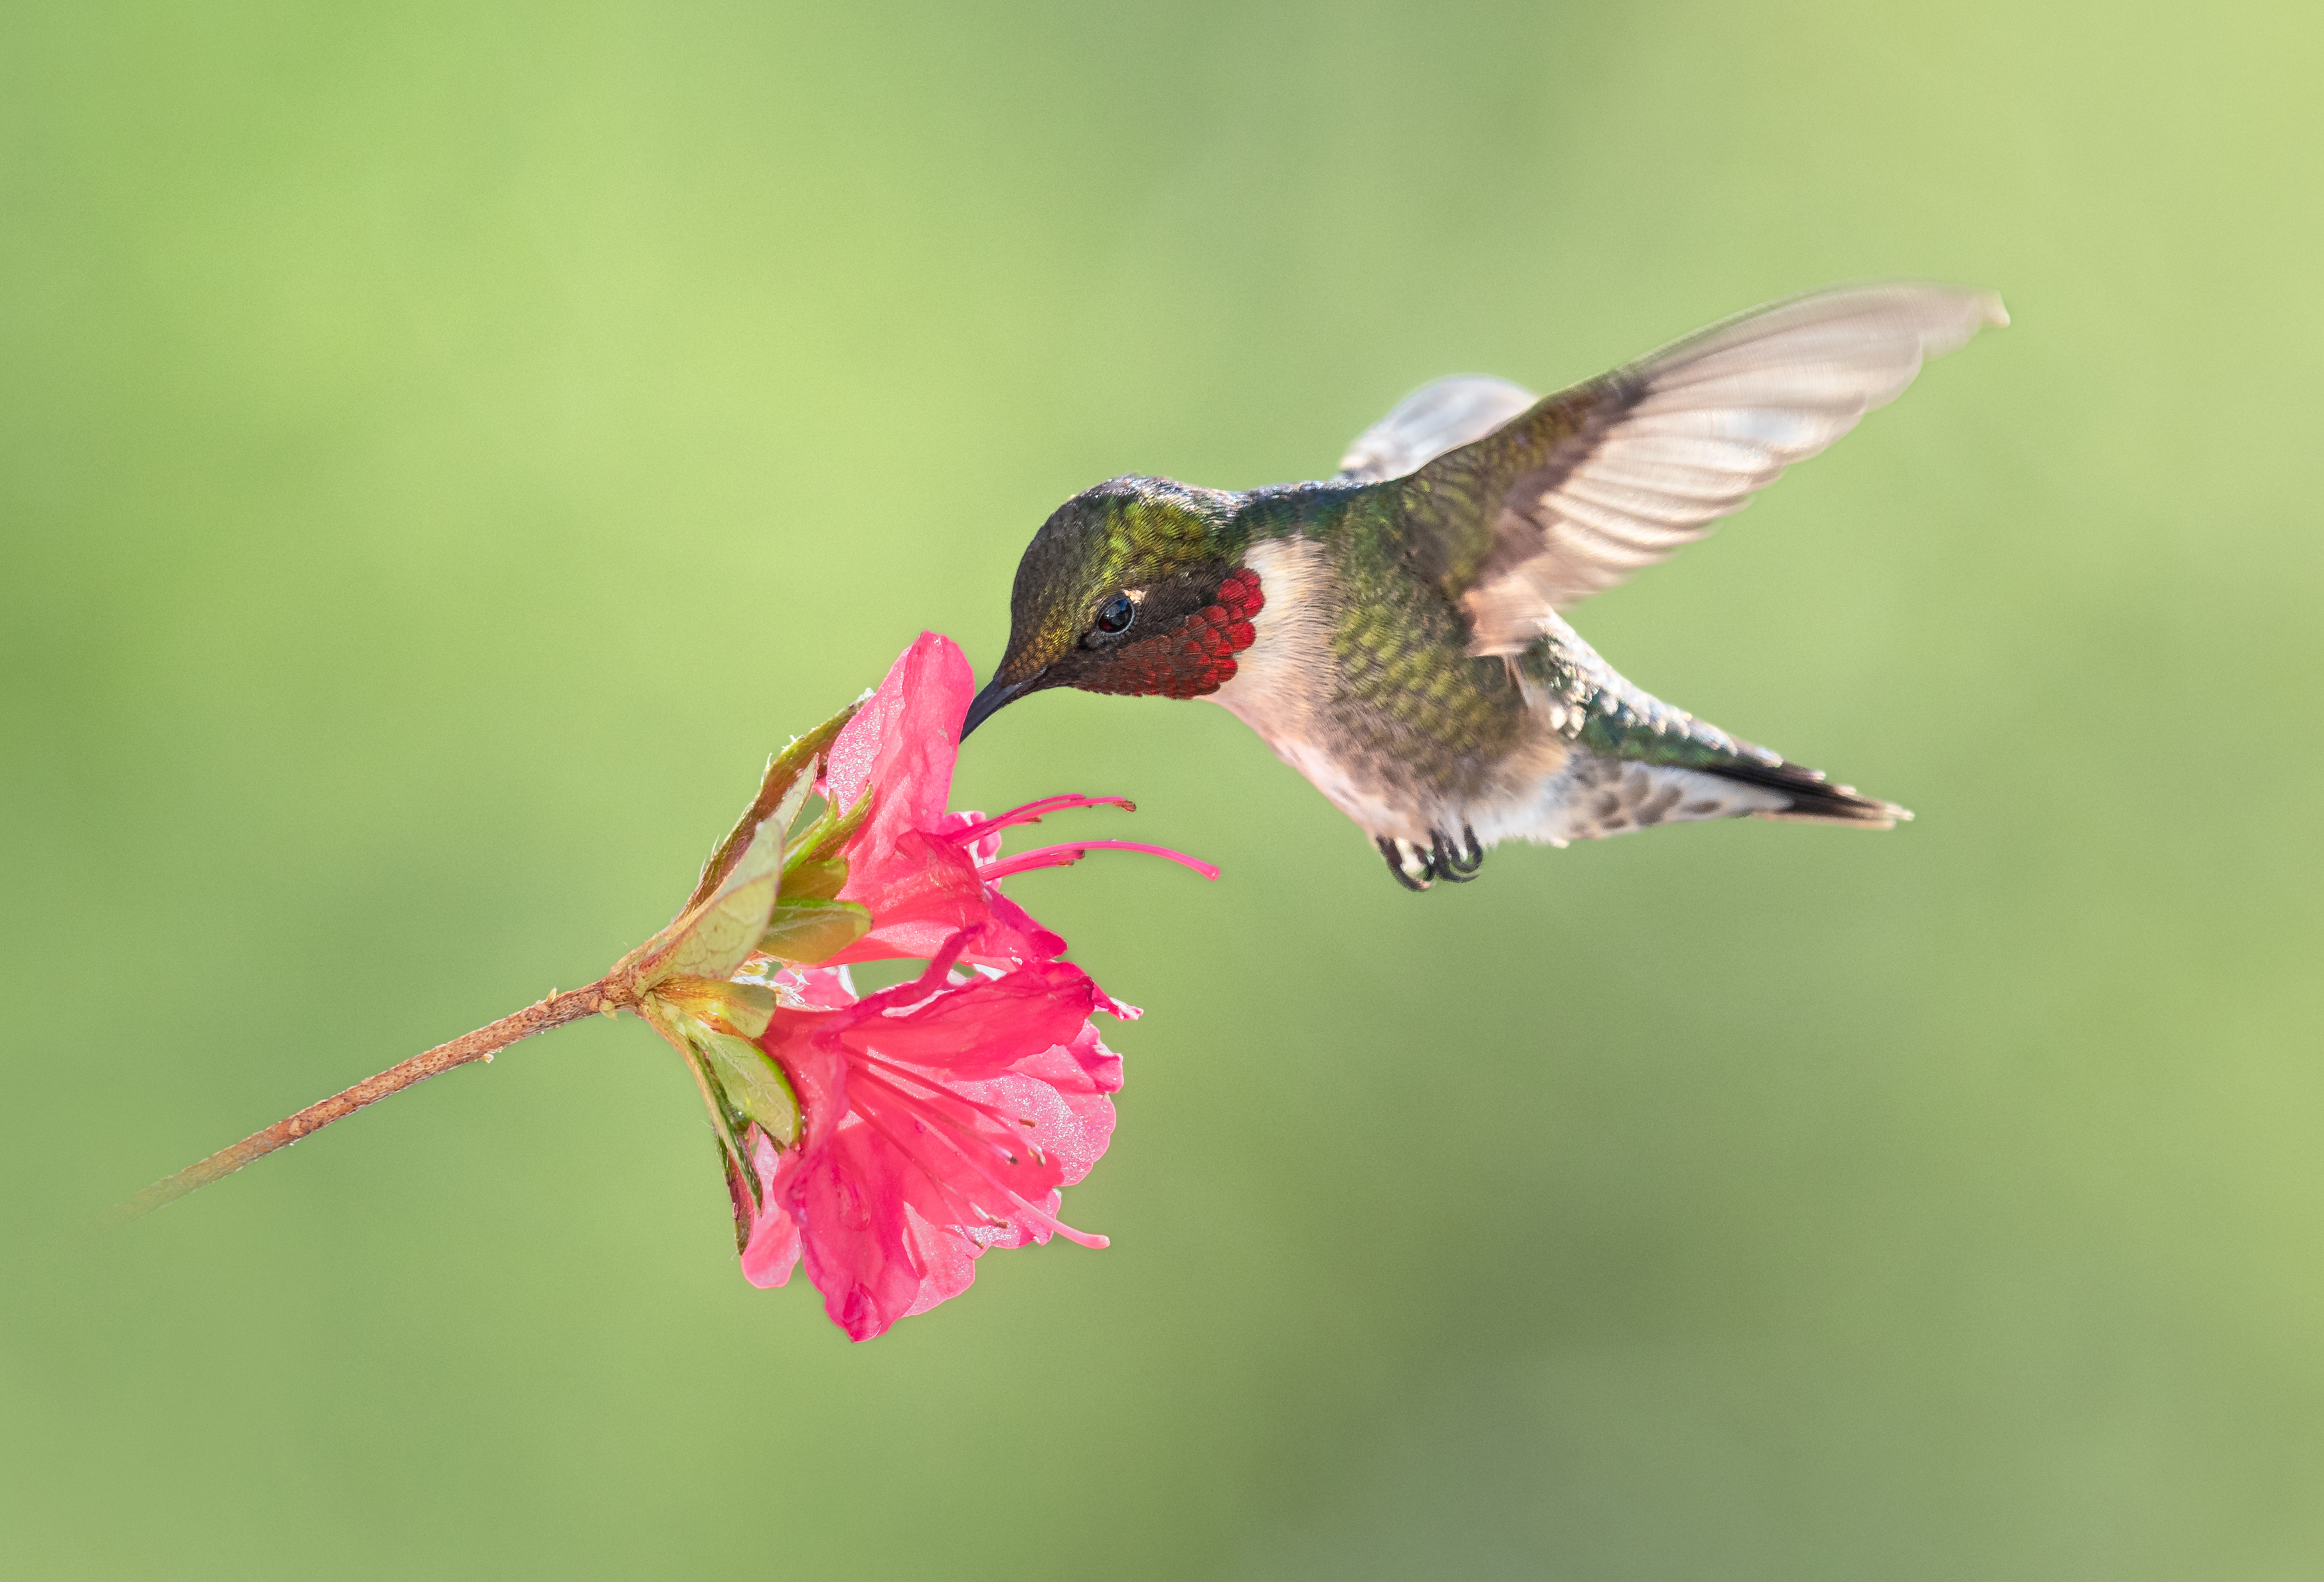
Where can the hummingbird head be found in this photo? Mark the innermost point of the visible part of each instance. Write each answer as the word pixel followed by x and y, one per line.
pixel 1133 587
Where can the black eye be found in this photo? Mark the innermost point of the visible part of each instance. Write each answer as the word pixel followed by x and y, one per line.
pixel 1114 616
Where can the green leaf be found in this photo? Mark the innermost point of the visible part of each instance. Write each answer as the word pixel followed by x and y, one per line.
pixel 820 841
pixel 786 770
pixel 741 1195
pixel 814 881
pixel 752 1083
pixel 725 928
pixel 727 1119
pixel 741 1009
pixel 808 931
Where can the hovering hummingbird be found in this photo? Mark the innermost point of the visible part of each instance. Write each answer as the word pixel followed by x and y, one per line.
pixel 1395 632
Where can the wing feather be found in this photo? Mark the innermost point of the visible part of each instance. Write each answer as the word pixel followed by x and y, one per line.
pixel 1433 419
pixel 1532 511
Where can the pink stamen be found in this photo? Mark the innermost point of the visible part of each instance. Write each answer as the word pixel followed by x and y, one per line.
pixel 1066 855
pixel 947 1130
pixel 1033 812
pixel 928 1112
pixel 960 1206
pixel 891 1071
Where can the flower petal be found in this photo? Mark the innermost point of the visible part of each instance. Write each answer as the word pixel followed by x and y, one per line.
pixel 849 1199
pixel 1012 937
pixel 979 1028
pixel 773 1250
pixel 920 890
pixel 902 743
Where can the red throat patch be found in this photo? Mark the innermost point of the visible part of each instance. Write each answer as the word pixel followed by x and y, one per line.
pixel 1197 655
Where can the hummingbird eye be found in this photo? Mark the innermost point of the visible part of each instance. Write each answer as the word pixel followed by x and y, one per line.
pixel 1114 616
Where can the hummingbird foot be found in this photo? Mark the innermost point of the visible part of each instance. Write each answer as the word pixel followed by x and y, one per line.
pixel 1416 866
pixel 1402 856
pixel 1458 864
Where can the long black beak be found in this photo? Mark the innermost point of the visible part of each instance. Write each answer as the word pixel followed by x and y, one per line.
pixel 988 702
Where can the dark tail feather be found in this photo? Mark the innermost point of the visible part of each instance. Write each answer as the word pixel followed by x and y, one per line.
pixel 1814 798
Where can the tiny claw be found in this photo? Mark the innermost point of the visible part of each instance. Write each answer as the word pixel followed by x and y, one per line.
pixel 1459 863
pixel 1444 862
pixel 1394 852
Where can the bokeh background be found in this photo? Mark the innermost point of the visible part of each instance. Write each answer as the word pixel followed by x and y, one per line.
pixel 442 450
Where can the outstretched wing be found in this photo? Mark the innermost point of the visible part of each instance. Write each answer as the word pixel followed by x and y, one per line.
pixel 1589 485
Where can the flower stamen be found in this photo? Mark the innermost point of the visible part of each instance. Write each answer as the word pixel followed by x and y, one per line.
pixel 1032 813
pixel 1067 855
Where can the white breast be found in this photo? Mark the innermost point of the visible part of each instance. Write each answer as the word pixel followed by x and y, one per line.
pixel 1287 671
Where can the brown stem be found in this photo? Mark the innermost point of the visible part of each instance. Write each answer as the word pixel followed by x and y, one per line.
pixel 553 1012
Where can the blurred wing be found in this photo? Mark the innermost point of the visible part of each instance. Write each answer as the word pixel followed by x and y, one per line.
pixel 1594 482
pixel 1429 421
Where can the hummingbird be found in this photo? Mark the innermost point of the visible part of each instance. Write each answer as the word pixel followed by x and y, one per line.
pixel 1397 632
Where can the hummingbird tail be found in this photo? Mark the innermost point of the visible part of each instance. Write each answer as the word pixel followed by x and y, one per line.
pixel 1811 799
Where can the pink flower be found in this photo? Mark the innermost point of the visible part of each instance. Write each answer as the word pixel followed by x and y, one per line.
pixel 886 1141
pixel 944 1116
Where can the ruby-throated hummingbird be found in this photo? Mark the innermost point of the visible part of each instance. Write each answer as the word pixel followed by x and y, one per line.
pixel 1395 632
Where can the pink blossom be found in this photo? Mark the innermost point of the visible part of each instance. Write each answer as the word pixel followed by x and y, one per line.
pixel 943 1116
pixel 923 873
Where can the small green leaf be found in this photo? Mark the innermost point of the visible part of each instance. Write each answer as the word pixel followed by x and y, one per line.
pixel 741 1195
pixel 727 1119
pixel 808 931
pixel 741 1009
pixel 787 769
pixel 725 928
pixel 745 1008
pixel 820 841
pixel 752 1083
pixel 814 881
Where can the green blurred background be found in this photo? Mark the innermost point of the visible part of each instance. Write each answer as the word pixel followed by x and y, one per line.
pixel 442 450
